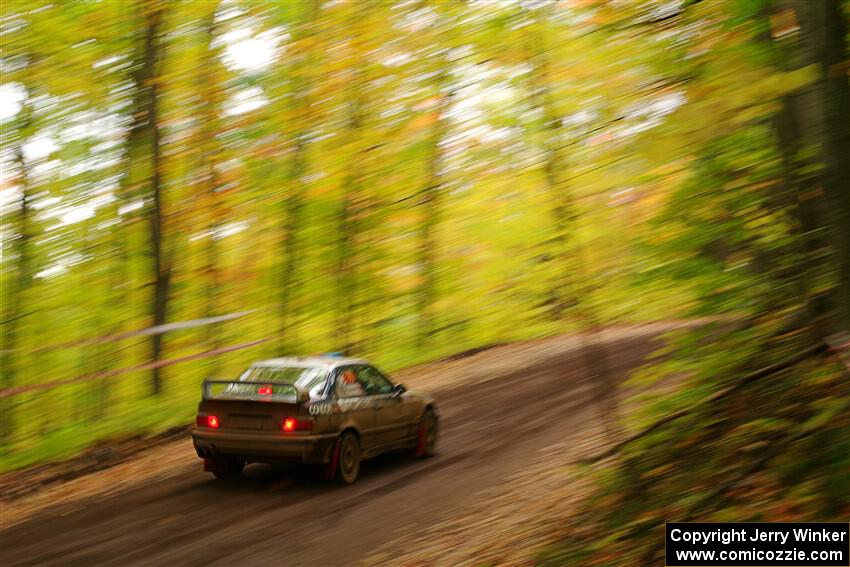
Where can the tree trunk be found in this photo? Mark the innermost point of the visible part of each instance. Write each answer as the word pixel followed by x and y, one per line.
pixel 569 263
pixel 431 208
pixel 824 43
pixel 799 191
pixel 212 97
pixel 800 183
pixel 346 271
pixel 348 223
pixel 145 167
pixel 19 282
pixel 302 59
pixel 563 220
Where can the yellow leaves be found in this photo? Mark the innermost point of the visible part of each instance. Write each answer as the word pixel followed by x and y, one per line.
pixel 322 188
pixel 793 80
pixel 408 218
pixel 423 121
pixel 751 87
pixel 305 44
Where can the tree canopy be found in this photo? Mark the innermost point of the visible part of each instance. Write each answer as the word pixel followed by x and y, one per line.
pixel 405 180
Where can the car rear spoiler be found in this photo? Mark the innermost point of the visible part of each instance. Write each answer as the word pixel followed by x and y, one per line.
pixel 253 391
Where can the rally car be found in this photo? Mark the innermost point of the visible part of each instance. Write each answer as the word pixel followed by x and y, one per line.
pixel 329 411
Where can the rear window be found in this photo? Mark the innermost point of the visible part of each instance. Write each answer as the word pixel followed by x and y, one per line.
pixel 225 390
pixel 311 379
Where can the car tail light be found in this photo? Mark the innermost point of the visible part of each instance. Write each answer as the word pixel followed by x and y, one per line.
pixel 264 390
pixel 291 424
pixel 210 421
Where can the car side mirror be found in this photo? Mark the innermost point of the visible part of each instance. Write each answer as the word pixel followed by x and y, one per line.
pixel 399 390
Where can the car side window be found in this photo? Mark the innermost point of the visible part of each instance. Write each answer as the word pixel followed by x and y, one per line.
pixel 316 386
pixel 348 384
pixel 374 382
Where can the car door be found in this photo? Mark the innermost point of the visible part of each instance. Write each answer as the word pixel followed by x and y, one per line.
pixel 389 408
pixel 356 407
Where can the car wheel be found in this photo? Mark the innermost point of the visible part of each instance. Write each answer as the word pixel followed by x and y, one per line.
pixel 226 468
pixel 426 438
pixel 348 458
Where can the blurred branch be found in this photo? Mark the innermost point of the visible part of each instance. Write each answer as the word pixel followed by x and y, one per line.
pixel 8 392
pixel 580 138
pixel 816 350
pixel 147 331
pixel 616 26
pixel 661 19
pixel 17 317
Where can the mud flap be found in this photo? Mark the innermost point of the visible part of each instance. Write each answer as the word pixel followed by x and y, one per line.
pixel 330 471
pixel 421 441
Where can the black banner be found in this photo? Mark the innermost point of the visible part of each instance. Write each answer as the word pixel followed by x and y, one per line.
pixel 758 545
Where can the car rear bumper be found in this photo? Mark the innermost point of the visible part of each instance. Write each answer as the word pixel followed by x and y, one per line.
pixel 250 446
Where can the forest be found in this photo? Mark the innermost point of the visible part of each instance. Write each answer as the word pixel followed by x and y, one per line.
pixel 187 187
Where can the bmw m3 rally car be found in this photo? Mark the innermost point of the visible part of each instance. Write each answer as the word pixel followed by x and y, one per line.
pixel 322 410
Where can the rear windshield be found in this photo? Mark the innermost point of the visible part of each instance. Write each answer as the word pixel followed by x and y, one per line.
pixel 310 379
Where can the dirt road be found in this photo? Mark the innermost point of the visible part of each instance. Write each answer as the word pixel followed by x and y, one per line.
pixel 489 431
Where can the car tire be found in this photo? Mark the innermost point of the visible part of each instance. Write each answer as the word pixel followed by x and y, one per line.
pixel 347 459
pixel 225 468
pixel 427 435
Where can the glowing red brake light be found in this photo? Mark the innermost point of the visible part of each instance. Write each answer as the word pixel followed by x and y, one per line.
pixel 264 390
pixel 291 424
pixel 207 421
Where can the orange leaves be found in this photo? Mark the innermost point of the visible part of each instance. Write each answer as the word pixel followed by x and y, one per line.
pixel 783 22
